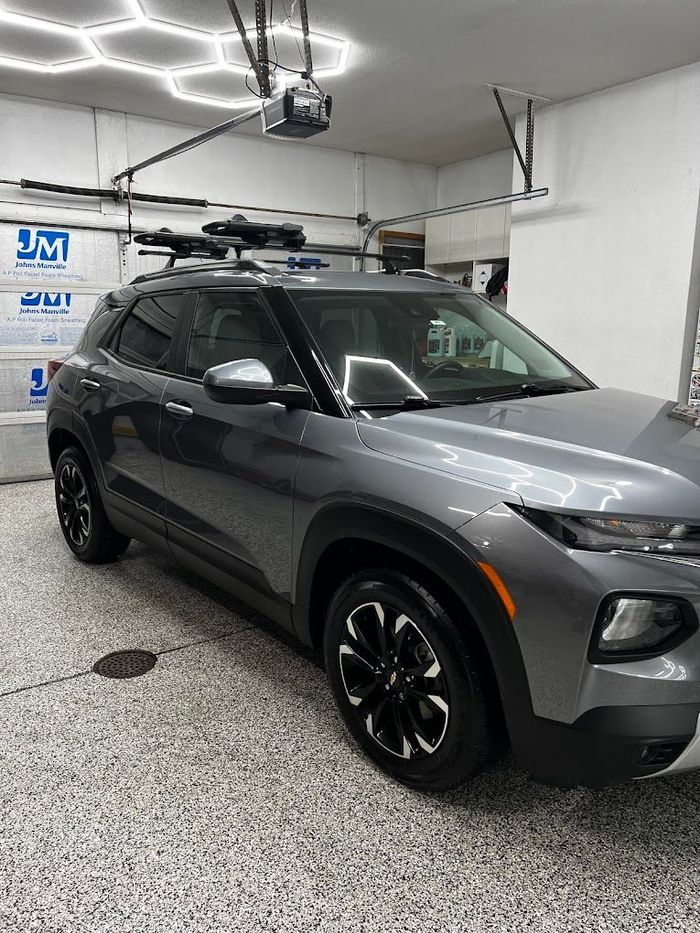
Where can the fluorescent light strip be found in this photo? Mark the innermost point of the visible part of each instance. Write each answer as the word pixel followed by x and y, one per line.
pixel 24 65
pixel 188 71
pixel 78 65
pixel 90 45
pixel 33 22
pixel 316 37
pixel 244 104
pixel 284 29
pixel 140 19
pixel 187 32
pixel 229 103
pixel 41 68
pixel 110 29
pixel 334 70
pixel 136 9
pixel 235 69
pixel 220 57
pixel 133 66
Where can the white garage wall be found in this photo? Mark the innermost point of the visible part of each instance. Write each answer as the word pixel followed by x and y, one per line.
pixel 604 268
pixel 38 136
pixel 389 183
pixel 474 179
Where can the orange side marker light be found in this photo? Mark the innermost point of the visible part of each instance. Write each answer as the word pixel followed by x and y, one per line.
pixel 500 587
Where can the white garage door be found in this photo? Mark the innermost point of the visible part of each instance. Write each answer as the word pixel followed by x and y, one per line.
pixel 50 278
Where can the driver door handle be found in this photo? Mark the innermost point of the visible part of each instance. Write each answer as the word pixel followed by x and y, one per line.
pixel 90 384
pixel 180 410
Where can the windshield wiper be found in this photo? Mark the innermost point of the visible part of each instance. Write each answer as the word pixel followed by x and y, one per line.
pixel 418 402
pixel 408 403
pixel 531 390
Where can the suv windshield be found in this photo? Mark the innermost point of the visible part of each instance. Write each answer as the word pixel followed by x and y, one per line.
pixel 387 347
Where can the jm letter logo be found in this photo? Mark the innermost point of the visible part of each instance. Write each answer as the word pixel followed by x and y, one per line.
pixel 42 246
pixel 40 384
pixel 45 302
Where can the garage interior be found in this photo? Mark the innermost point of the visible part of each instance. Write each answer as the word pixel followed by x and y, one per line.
pixel 220 790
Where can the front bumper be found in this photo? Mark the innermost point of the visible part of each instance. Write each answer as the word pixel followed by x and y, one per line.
pixel 610 744
pixel 591 723
pixel 688 760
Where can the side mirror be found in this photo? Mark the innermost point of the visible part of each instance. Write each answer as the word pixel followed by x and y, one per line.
pixel 250 382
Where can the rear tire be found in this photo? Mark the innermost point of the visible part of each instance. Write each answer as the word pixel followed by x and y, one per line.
pixel 84 523
pixel 405 681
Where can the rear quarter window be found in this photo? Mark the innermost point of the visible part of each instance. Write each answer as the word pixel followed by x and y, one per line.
pixel 145 336
pixel 99 323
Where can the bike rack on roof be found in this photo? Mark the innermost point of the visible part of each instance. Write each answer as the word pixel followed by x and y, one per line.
pixel 258 235
pixel 181 246
pixel 239 234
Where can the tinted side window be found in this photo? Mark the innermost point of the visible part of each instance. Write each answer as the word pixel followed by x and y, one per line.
pixel 147 332
pixel 100 322
pixel 231 326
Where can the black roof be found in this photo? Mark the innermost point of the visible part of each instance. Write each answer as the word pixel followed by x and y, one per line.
pixel 248 273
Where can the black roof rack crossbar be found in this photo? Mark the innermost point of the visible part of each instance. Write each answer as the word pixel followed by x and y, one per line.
pixel 173 256
pixel 391 263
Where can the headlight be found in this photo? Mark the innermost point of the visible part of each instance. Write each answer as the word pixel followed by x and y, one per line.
pixel 630 628
pixel 617 534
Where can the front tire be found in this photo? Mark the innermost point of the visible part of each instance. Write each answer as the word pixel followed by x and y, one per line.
pixel 84 523
pixel 405 681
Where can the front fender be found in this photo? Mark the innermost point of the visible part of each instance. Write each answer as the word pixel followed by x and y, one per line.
pixel 445 555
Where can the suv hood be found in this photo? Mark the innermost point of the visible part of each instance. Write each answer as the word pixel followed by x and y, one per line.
pixel 602 450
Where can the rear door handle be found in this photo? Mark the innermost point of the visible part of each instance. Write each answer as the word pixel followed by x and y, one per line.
pixel 90 384
pixel 180 410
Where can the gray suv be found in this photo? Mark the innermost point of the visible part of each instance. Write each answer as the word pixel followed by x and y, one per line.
pixel 487 548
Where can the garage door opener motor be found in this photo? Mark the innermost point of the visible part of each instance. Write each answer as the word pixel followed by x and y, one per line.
pixel 296 113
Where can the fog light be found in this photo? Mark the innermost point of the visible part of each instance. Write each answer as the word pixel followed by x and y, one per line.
pixel 662 753
pixel 633 628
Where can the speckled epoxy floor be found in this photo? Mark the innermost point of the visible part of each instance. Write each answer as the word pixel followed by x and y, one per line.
pixel 219 792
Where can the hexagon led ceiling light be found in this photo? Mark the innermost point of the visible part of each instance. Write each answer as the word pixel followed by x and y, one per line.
pixel 212 45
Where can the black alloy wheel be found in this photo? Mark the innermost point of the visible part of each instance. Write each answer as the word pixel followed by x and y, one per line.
pixel 406 682
pixel 74 503
pixel 394 680
pixel 84 523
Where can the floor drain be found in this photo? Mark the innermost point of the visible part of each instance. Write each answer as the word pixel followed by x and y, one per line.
pixel 123 664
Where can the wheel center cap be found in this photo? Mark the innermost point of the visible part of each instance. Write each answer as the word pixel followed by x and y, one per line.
pixel 393 678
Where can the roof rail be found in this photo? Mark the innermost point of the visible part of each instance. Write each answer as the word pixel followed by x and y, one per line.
pixel 241 265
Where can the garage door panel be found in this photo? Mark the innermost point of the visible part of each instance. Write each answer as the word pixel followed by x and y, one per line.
pixel 50 278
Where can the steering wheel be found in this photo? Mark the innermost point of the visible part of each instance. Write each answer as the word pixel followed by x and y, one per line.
pixel 446 365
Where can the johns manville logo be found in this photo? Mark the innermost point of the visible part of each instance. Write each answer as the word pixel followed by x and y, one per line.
pixel 39 386
pixel 42 249
pixel 49 303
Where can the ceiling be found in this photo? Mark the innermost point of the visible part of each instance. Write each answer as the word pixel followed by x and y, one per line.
pixel 413 86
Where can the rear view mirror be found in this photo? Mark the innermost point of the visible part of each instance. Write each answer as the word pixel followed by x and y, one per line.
pixel 250 382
